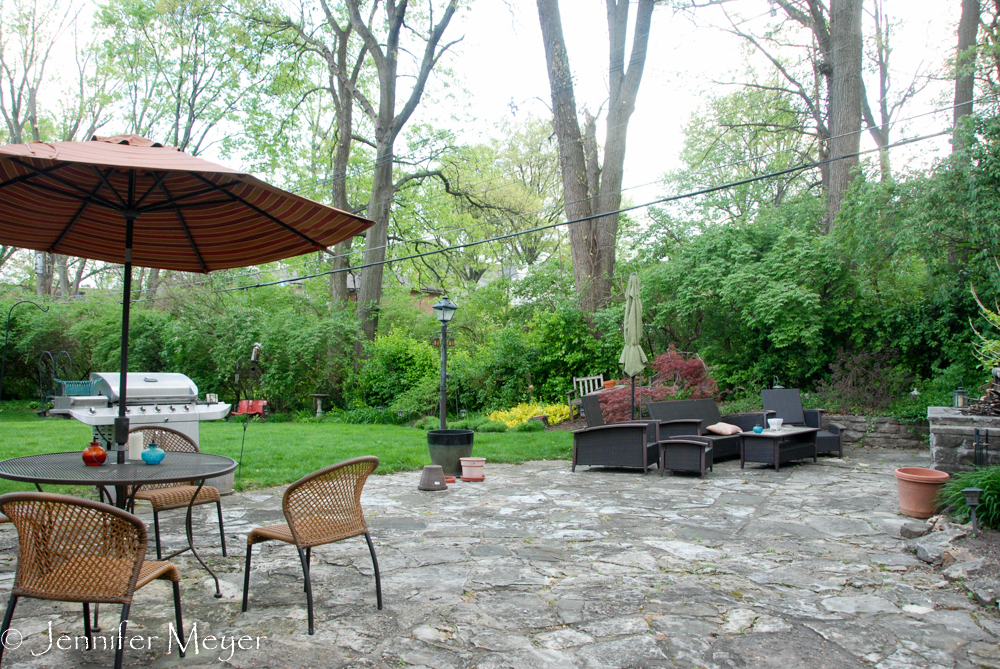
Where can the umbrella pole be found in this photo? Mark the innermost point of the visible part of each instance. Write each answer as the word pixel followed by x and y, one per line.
pixel 633 398
pixel 121 422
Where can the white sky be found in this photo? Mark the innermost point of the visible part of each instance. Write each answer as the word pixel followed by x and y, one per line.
pixel 502 61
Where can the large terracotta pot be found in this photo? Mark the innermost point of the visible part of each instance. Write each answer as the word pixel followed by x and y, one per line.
pixel 918 489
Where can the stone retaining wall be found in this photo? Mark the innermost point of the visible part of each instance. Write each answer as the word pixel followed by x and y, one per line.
pixel 880 432
pixel 952 438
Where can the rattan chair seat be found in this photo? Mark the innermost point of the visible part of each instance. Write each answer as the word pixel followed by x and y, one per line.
pixel 279 532
pixel 178 496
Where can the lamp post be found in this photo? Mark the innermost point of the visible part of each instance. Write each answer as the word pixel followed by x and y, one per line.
pixel 444 311
pixel 3 361
pixel 972 499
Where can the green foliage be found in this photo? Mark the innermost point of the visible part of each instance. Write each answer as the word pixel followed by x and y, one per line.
pixel 988 511
pixel 529 426
pixel 491 426
pixel 396 366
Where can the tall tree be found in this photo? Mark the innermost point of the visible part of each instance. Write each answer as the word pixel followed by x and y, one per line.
pixel 965 65
pixel 845 99
pixel 592 186
pixel 380 32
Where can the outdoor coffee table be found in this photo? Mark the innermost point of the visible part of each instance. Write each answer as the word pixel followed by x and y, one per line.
pixel 68 469
pixel 774 447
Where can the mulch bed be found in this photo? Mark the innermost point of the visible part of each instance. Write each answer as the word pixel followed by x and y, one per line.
pixel 985 545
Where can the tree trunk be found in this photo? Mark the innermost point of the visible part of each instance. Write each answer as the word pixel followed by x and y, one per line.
pixel 152 283
pixel 590 187
pixel 965 66
pixel 845 99
pixel 388 123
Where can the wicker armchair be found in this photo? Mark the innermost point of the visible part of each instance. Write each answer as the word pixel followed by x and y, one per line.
pixel 786 403
pixel 166 496
pixel 631 444
pixel 76 550
pixel 321 508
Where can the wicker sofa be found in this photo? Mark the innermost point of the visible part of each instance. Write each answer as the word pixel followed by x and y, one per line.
pixel 690 418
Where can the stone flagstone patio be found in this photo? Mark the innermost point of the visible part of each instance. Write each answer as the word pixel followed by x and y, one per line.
pixel 539 567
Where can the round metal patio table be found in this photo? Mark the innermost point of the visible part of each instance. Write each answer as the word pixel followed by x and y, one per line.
pixel 69 469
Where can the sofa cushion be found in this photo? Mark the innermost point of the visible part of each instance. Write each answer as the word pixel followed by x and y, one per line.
pixel 724 428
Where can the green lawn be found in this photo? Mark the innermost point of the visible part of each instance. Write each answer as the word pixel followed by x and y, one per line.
pixel 279 453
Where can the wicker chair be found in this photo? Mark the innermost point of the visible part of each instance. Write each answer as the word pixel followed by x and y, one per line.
pixel 786 403
pixel 166 496
pixel 76 550
pixel 321 508
pixel 631 444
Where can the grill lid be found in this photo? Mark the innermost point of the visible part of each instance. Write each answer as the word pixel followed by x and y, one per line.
pixel 146 388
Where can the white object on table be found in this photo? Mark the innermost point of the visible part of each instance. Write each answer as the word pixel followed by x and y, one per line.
pixel 775 423
pixel 135 446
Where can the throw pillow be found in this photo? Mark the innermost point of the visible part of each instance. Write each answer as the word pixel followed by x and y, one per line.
pixel 724 428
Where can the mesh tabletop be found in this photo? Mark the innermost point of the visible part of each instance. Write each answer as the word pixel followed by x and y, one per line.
pixel 68 469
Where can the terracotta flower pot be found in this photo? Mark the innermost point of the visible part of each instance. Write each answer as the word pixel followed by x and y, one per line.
pixel 472 469
pixel 608 385
pixel 918 489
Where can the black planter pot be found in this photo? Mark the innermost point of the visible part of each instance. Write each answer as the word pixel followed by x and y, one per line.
pixel 447 446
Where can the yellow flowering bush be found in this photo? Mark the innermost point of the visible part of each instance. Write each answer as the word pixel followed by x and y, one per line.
pixel 523 412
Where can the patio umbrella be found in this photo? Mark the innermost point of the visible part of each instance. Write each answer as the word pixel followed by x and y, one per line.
pixel 633 358
pixel 129 200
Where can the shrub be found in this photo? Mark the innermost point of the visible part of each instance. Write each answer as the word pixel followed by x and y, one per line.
pixel 529 426
pixel 676 377
pixel 428 423
pixel 491 426
pixel 863 381
pixel 988 511
pixel 280 417
pixel 523 412
pixel 396 365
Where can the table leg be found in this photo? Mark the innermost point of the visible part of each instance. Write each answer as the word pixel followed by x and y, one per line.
pixel 121 496
pixel 777 455
pixel 190 537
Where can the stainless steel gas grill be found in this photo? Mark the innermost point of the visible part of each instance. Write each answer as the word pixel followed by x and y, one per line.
pixel 164 399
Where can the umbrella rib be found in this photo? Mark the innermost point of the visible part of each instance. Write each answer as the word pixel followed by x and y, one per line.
pixel 104 180
pixel 168 205
pixel 72 221
pixel 65 182
pixel 26 177
pixel 184 225
pixel 263 213
pixel 160 178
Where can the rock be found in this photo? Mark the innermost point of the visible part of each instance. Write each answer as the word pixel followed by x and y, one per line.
pixel 955 555
pixel 862 604
pixel 984 655
pixel 914 530
pixel 985 591
pixel 738 621
pixel 962 570
pixel 931 548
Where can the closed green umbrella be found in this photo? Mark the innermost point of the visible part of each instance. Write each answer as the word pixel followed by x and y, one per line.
pixel 633 359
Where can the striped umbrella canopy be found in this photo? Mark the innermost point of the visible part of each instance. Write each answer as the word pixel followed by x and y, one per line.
pixel 129 200
pixel 633 358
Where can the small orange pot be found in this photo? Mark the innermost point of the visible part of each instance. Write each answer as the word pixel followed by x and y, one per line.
pixel 94 455
pixel 918 490
pixel 608 385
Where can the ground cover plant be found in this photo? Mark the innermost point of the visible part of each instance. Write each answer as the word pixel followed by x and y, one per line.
pixel 987 480
pixel 279 453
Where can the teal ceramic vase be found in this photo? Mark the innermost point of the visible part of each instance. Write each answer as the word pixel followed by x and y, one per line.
pixel 153 454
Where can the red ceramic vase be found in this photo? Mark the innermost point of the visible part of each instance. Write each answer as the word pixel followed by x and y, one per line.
pixel 94 455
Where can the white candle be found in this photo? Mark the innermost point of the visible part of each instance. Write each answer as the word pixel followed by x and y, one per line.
pixel 135 446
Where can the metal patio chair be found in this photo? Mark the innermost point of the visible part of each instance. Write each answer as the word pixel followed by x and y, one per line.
pixel 76 550
pixel 321 508
pixel 166 496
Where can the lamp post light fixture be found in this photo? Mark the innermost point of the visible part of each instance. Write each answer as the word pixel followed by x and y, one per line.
pixel 463 413
pixel 451 341
pixel 960 397
pixel 444 311
pixel 399 413
pixel 972 499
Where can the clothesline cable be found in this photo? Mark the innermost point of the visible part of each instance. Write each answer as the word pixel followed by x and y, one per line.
pixel 663 200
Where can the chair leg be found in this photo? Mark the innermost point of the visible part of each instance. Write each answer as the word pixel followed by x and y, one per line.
pixel 96 626
pixel 246 579
pixel 156 531
pixel 309 593
pixel 308 565
pixel 11 603
pixel 177 615
pixel 378 579
pixel 222 529
pixel 122 625
pixel 87 631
